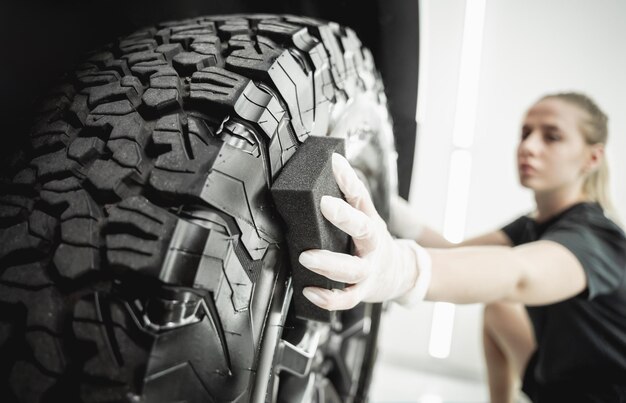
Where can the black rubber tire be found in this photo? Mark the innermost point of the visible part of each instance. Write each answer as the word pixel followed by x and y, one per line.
pixel 136 223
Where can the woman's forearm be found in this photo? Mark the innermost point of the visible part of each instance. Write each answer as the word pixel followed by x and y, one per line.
pixel 475 274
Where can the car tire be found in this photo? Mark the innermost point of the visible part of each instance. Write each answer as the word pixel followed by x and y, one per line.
pixel 141 256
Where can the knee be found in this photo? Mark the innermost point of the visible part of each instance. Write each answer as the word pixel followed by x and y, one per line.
pixel 492 311
pixel 495 314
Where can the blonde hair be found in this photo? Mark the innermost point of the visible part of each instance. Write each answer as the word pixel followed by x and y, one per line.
pixel 595 131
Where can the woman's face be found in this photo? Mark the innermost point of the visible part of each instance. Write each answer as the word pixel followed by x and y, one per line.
pixel 552 153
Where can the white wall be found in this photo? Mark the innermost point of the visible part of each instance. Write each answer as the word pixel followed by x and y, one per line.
pixel 529 48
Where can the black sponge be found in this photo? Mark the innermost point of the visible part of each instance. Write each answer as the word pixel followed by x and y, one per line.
pixel 297 192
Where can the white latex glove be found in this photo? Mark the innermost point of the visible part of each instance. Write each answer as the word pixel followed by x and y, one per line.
pixel 403 222
pixel 383 268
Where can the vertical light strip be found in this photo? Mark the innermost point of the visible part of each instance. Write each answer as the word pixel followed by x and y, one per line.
pixel 458 195
pixel 460 161
pixel 441 330
pixel 430 398
pixel 469 74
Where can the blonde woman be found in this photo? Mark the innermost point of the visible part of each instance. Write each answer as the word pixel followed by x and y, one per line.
pixel 554 282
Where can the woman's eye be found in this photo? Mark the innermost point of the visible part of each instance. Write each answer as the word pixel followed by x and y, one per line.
pixel 525 133
pixel 552 137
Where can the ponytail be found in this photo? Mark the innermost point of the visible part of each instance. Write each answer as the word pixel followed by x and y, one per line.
pixel 596 188
pixel 595 131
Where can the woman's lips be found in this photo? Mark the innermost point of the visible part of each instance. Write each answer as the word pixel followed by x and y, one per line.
pixel 526 169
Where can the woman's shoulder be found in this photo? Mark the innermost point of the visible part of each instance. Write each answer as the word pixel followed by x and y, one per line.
pixel 593 216
pixel 588 224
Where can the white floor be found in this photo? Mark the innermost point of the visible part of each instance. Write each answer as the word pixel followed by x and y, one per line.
pixel 395 384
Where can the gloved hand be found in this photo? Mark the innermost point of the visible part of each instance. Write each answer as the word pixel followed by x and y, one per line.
pixel 403 222
pixel 383 268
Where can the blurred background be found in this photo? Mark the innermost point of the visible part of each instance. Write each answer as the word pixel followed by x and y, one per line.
pixel 482 64
pixel 479 65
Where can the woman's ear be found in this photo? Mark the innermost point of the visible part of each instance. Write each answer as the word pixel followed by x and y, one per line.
pixel 596 156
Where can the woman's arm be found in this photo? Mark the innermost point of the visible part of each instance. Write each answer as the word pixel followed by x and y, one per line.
pixel 536 273
pixel 429 238
pixel 404 223
pixel 384 268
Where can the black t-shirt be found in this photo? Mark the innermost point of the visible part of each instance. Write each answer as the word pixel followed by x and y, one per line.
pixel 581 341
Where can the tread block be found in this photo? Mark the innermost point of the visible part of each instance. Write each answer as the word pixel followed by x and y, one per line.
pixel 254 56
pixel 130 243
pixel 18 239
pixel 216 87
pixel 130 126
pixel 30 275
pixel 62 185
pixel 137 236
pixel 111 180
pixel 202 39
pixel 209 45
pixel 138 57
pixel 120 66
pixel 26 176
pixel 66 89
pixel 93 78
pixel 78 111
pixel 114 108
pixel 143 33
pixel 163 35
pixel 16 200
pixel 187 63
pixel 164 72
pixel 187 34
pixel 178 23
pixel 162 99
pixel 127 153
pixel 236 26
pixel 81 204
pixel 81 232
pixel 57 134
pixel 170 82
pixel 29 391
pixel 278 30
pixel 137 44
pixel 54 164
pixel 85 149
pixel 300 97
pixel 42 225
pixel 201 27
pixel 210 49
pixel 307 21
pixel 188 139
pixel 145 69
pixel 70 204
pixel 10 214
pixel 101 59
pixel 46 350
pixel 72 261
pixel 54 103
pixel 128 88
pixel 106 324
pixel 146 218
pixel 169 50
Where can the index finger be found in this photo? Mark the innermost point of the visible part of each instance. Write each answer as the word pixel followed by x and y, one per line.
pixel 351 186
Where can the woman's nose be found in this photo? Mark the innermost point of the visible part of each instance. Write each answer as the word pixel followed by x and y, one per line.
pixel 530 144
